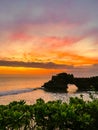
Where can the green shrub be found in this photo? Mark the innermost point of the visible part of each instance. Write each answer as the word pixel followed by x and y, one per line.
pixel 75 115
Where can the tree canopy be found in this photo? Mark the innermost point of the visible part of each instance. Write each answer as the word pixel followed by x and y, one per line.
pixel 52 115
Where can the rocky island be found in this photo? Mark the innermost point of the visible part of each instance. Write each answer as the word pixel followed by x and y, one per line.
pixel 59 83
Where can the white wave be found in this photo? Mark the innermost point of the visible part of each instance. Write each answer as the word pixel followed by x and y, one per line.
pixel 14 92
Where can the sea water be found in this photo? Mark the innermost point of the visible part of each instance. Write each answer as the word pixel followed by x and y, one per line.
pixel 16 88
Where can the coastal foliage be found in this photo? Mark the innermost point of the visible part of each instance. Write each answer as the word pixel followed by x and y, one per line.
pixel 60 81
pixel 52 115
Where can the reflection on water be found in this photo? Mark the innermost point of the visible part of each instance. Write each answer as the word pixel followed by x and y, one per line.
pixel 18 83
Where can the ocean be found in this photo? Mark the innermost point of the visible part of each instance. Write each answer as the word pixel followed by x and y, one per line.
pixel 16 88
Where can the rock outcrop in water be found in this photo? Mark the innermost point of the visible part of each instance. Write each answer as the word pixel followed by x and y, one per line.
pixel 60 81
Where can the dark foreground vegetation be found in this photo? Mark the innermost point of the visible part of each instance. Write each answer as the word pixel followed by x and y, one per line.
pixel 53 115
pixel 60 81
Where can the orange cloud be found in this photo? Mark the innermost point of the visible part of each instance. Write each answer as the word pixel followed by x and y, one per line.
pixel 69 58
pixel 55 49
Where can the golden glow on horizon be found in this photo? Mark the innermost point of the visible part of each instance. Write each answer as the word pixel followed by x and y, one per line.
pixel 48 37
pixel 72 51
pixel 28 71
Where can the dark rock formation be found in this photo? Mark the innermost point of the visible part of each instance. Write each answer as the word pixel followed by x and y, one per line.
pixel 59 82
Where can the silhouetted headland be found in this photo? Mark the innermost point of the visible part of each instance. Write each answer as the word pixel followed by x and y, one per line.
pixel 59 83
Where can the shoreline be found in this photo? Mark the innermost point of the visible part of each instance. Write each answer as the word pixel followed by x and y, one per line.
pixel 16 92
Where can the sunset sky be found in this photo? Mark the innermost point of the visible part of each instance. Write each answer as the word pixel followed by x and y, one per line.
pixel 48 37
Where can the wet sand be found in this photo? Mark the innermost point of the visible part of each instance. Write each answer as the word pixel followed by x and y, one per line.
pixel 31 97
